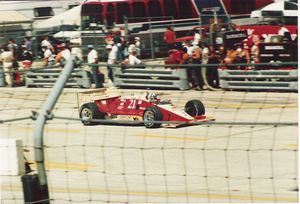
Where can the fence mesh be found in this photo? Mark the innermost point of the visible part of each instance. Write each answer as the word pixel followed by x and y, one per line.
pixel 248 154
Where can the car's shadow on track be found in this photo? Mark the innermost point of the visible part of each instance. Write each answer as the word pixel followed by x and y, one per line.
pixel 135 124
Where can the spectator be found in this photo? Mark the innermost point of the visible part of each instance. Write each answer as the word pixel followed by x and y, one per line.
pixel 112 58
pixel 118 43
pixel 26 57
pixel 77 53
pixel 212 72
pixel 28 44
pixel 63 55
pixel 46 43
pixel 48 56
pixel 13 47
pixel 115 49
pixel 187 45
pixel 92 59
pixel 138 46
pixel 109 39
pixel 254 52
pixel 7 61
pixel 132 58
pixel 242 56
pixel 221 53
pixel 186 59
pixel 197 36
pixel 204 60
pixel 174 57
pixel 230 56
pixel 170 38
pixel 195 72
pixel 185 56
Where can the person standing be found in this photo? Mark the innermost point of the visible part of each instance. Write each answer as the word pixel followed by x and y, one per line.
pixel 197 36
pixel 28 44
pixel 26 58
pixel 7 61
pixel 92 59
pixel 112 58
pixel 118 43
pixel 77 53
pixel 13 47
pixel 47 43
pixel 170 38
pixel 48 56
pixel 204 61
pixel 212 72
pixel 196 71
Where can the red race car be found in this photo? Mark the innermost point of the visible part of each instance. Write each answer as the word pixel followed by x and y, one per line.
pixel 146 108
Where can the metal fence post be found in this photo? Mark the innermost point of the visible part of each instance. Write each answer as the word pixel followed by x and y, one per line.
pixel 151 39
pixel 43 116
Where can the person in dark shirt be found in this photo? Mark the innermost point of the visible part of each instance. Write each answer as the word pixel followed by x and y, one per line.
pixel 26 57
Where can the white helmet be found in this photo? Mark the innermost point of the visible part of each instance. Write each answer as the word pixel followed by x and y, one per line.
pixel 152 97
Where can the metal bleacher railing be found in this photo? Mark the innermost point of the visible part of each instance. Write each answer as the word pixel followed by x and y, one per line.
pixel 262 76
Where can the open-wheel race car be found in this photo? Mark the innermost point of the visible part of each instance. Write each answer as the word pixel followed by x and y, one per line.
pixel 147 108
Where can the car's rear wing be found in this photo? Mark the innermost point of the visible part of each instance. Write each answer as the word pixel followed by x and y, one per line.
pixel 93 95
pixel 89 96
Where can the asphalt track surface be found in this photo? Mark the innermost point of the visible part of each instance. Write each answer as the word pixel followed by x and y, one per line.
pixel 129 163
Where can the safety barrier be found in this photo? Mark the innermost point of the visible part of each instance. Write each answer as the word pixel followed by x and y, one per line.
pixel 2 80
pixel 286 80
pixel 48 77
pixel 151 78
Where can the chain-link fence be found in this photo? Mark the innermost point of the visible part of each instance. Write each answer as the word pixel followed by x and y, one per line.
pixel 248 154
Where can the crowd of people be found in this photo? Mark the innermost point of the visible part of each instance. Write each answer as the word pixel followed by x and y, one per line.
pixel 198 53
pixel 126 52
pixel 11 53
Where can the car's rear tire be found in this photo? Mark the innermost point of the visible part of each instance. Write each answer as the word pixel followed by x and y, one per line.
pixel 89 112
pixel 194 108
pixel 152 114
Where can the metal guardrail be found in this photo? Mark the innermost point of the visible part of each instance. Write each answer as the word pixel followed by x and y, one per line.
pixel 285 80
pixel 151 78
pixel 48 77
pixel 2 79
pixel 174 77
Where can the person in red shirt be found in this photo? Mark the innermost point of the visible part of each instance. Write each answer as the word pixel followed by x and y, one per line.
pixel 170 38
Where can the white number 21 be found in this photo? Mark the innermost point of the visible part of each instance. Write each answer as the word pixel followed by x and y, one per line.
pixel 132 104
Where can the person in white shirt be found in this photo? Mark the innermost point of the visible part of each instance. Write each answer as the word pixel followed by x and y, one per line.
pixel 138 46
pixel 7 58
pixel 48 56
pixel 197 36
pixel 132 58
pixel 63 55
pixel 190 49
pixel 77 52
pixel 92 59
pixel 46 43
pixel 112 58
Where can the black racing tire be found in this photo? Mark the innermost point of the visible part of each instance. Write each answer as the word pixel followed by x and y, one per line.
pixel 89 112
pixel 194 108
pixel 151 114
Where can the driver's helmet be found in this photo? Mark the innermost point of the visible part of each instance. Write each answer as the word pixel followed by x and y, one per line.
pixel 152 97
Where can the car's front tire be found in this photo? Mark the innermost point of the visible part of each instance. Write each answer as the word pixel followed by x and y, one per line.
pixel 152 114
pixel 88 112
pixel 194 108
